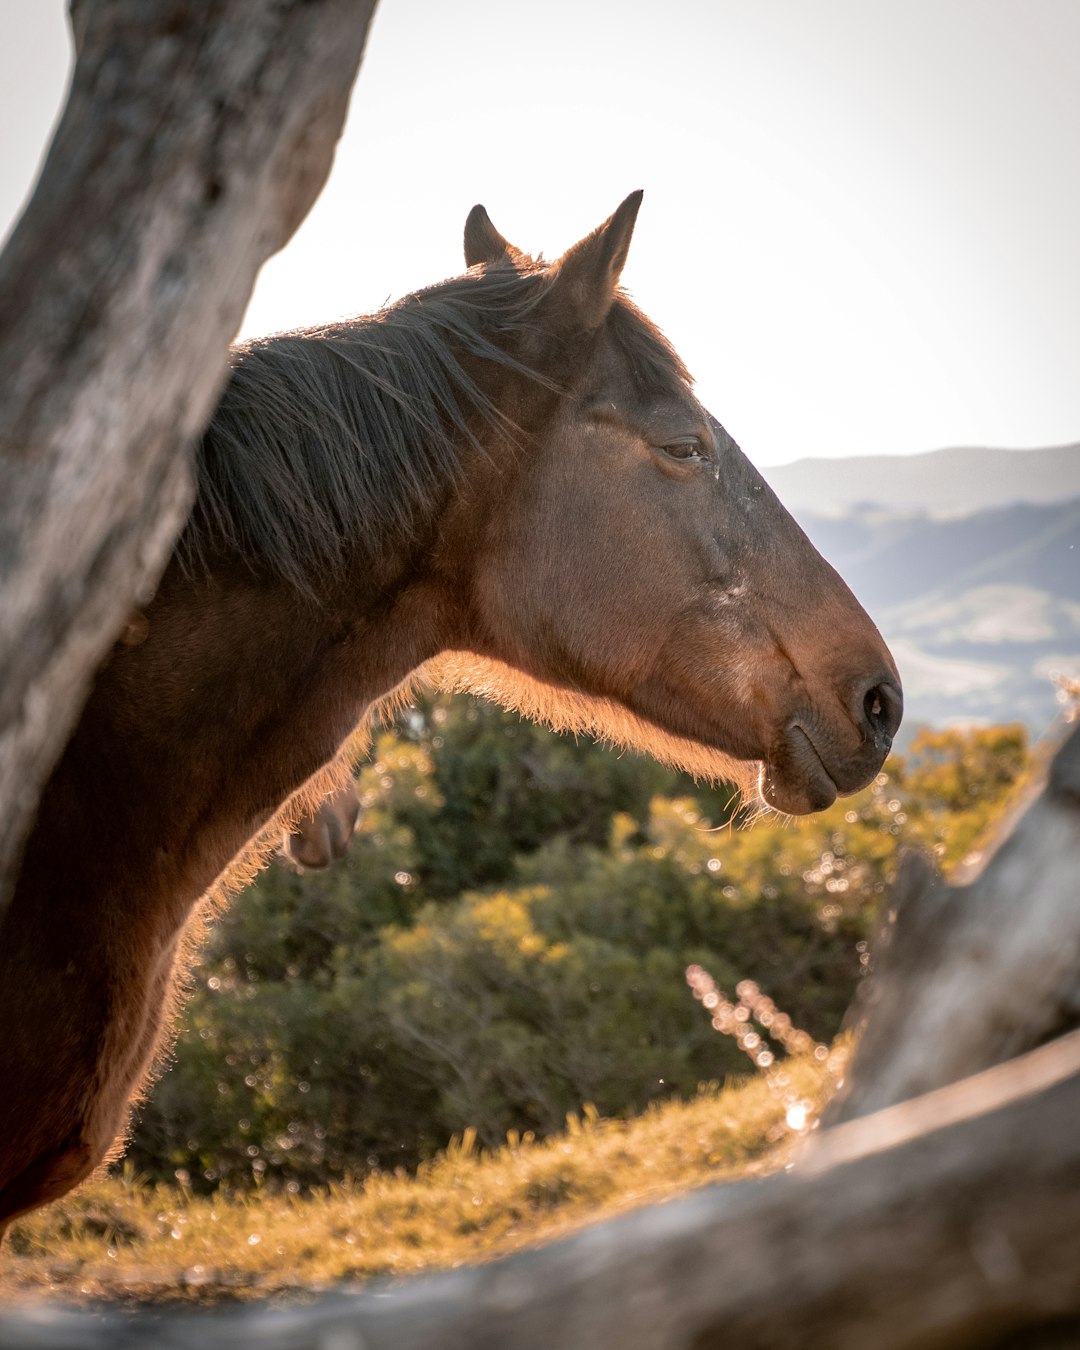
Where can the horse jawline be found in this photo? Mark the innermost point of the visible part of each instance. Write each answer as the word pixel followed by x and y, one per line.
pixel 571 710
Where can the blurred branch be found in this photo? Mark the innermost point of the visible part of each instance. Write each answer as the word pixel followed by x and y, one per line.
pixel 195 138
pixel 948 1220
pixel 973 974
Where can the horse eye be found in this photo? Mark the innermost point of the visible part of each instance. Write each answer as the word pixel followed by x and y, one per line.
pixel 686 447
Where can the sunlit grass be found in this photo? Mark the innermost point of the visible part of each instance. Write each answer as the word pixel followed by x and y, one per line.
pixel 120 1238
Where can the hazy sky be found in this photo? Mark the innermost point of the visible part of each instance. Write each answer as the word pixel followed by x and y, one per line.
pixel 862 217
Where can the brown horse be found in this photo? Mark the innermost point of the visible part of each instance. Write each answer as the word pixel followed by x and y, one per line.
pixel 322 836
pixel 506 478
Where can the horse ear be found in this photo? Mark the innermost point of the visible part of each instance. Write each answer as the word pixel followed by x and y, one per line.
pixel 483 242
pixel 589 272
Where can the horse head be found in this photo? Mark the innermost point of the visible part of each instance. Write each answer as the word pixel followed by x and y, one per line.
pixel 637 578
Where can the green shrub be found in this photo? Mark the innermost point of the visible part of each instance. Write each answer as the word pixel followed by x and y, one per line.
pixel 507 938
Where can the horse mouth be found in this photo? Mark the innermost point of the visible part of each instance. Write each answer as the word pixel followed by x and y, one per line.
pixel 795 779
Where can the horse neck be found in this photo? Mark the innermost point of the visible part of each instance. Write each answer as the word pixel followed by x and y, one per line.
pixel 240 691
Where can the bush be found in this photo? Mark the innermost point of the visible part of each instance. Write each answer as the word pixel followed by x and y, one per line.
pixel 507 937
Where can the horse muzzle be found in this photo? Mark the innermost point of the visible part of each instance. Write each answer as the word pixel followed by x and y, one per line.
pixel 806 770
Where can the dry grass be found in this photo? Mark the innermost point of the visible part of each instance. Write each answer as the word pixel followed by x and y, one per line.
pixel 120 1239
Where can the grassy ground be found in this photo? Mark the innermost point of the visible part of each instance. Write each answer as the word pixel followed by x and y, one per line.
pixel 118 1238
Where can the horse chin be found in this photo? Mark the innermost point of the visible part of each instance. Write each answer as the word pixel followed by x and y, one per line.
pixel 794 779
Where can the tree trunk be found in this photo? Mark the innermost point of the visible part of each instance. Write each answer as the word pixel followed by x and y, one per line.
pixel 950 1220
pixel 969 975
pixel 195 138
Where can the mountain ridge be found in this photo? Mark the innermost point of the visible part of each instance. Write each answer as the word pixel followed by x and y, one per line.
pixel 977 595
pixel 954 481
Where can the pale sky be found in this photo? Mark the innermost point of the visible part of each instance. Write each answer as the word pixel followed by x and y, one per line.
pixel 861 225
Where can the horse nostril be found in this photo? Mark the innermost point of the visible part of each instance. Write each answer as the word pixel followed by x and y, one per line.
pixel 882 709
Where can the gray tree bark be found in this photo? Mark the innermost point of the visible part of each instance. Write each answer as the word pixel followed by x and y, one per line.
pixel 946 1221
pixel 972 974
pixel 196 136
pixel 949 1220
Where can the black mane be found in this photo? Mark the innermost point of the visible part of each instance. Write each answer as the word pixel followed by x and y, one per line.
pixel 330 438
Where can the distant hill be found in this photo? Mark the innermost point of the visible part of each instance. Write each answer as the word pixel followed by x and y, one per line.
pixel 969 562
pixel 981 611
pixel 939 483
pixel 912 559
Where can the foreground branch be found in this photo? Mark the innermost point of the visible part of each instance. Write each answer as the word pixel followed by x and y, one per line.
pixel 949 1220
pixel 194 140
pixel 974 974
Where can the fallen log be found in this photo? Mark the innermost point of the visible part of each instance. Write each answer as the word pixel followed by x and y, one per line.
pixel 194 140
pixel 950 1220
pixel 975 973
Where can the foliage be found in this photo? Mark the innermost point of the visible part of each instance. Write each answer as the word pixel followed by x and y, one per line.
pixel 507 939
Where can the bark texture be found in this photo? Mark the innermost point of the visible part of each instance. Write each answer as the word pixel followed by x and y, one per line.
pixel 972 974
pixel 948 1220
pixel 196 136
